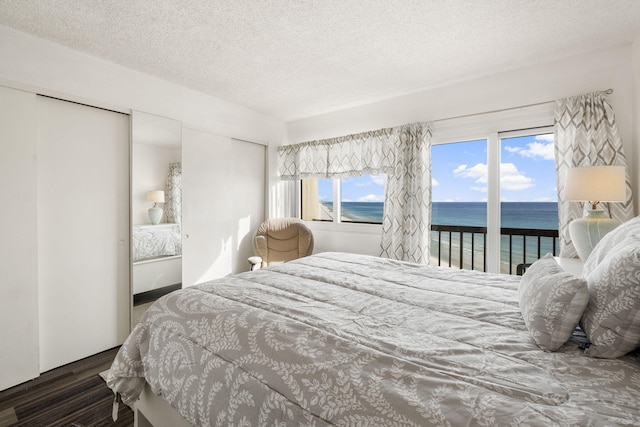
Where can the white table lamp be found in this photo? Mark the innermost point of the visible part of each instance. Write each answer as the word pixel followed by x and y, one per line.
pixel 593 184
pixel 155 212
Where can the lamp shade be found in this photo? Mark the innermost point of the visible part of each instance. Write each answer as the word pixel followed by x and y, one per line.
pixel 595 184
pixel 156 196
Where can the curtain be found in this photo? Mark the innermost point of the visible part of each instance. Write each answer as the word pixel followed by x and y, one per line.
pixel 586 134
pixel 351 155
pixel 407 204
pixel 173 194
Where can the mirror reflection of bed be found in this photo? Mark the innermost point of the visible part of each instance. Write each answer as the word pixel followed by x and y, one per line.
pixel 156 193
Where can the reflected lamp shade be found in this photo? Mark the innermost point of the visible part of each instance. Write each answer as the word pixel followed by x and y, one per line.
pixel 593 184
pixel 155 212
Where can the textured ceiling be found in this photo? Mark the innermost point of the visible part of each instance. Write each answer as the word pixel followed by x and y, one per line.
pixel 297 58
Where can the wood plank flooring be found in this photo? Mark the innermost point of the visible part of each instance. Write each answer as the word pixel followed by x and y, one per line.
pixel 73 395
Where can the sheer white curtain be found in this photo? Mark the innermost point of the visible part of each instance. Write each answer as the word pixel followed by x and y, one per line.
pixel 173 194
pixel 586 134
pixel 407 204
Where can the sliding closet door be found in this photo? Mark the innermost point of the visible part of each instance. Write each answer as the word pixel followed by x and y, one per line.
pixel 222 204
pixel 248 188
pixel 18 244
pixel 83 230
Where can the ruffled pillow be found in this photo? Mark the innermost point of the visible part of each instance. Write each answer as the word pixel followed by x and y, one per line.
pixel 611 239
pixel 612 318
pixel 552 302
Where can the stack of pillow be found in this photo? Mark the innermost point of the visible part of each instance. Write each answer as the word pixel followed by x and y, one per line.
pixel 605 302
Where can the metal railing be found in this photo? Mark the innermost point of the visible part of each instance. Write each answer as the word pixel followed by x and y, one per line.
pixel 540 242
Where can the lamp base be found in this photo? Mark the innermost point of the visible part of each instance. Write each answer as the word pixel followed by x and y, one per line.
pixel 586 232
pixel 155 214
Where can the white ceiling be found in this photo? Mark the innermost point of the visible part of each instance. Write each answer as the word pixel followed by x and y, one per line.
pixel 295 58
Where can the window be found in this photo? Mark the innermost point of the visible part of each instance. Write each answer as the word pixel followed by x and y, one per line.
pixel 353 199
pixel 459 198
pixel 523 212
pixel 528 197
pixel 317 199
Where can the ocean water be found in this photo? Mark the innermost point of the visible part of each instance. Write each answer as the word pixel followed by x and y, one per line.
pixel 537 215
pixel 533 215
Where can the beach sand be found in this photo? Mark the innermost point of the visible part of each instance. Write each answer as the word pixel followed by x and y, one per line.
pixel 327 215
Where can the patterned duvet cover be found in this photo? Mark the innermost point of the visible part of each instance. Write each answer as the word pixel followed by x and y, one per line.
pixel 351 340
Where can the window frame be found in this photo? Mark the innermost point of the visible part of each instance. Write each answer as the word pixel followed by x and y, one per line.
pixel 337 205
pixel 494 154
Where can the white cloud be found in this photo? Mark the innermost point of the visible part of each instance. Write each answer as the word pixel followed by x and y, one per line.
pixel 378 179
pixel 510 177
pixel 371 198
pixel 375 179
pixel 547 137
pixel 434 182
pixel 459 169
pixel 535 150
pixel 477 172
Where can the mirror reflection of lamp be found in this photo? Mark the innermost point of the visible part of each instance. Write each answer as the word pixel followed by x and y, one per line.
pixel 593 184
pixel 155 212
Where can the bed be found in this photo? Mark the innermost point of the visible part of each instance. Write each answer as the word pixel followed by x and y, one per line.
pixel 345 339
pixel 153 241
pixel 157 257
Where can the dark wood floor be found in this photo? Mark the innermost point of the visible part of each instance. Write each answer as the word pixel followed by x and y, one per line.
pixel 73 395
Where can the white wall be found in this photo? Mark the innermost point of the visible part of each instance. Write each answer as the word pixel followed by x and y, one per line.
pixel 595 71
pixel 42 64
pixel 150 173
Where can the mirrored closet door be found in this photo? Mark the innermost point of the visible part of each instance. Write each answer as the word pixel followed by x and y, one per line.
pixel 156 209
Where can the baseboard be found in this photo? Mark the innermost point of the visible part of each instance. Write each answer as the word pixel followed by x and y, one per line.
pixel 145 297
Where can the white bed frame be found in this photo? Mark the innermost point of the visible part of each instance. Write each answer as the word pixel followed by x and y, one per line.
pixel 152 411
pixel 155 273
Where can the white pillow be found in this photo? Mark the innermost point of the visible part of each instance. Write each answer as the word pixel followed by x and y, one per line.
pixel 552 302
pixel 611 239
pixel 612 318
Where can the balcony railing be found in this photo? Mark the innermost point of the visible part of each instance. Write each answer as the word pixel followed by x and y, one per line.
pixel 466 246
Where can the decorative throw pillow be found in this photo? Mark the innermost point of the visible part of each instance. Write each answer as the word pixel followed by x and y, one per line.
pixel 604 246
pixel 612 318
pixel 552 302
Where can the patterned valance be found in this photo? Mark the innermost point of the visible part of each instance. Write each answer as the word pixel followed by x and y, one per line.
pixel 352 155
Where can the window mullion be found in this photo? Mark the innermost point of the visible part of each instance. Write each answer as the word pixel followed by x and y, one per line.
pixel 337 200
pixel 493 203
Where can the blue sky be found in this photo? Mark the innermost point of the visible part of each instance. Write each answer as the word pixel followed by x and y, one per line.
pixel 527 170
pixel 459 173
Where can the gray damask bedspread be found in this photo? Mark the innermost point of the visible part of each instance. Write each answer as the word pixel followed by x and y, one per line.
pixel 152 241
pixel 343 339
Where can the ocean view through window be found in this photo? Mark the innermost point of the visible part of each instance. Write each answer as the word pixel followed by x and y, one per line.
pixel 361 199
pixel 527 211
pixel 527 199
